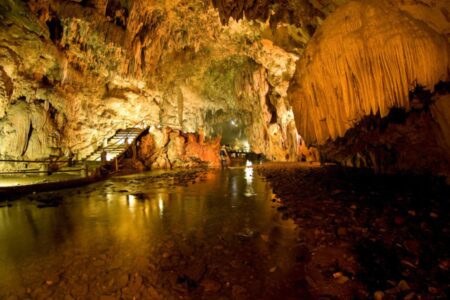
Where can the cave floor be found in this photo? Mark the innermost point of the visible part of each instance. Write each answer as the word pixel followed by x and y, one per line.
pixel 277 231
pixel 367 236
pixel 20 180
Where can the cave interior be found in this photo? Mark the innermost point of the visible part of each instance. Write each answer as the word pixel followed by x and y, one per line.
pixel 349 98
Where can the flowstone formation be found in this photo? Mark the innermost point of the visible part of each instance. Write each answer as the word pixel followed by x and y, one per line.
pixel 74 72
pixel 371 88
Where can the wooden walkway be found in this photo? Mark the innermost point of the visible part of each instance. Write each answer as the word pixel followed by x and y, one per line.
pixel 92 168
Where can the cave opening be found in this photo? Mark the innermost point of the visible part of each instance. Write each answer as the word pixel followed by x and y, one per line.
pixel 56 29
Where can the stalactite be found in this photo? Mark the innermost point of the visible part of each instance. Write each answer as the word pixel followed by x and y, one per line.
pixel 364 59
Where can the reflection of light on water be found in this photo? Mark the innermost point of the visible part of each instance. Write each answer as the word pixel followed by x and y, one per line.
pixel 161 206
pixel 109 198
pixel 131 201
pixel 248 171
pixel 249 191
pixel 234 187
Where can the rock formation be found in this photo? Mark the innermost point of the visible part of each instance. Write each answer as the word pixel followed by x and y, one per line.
pixel 365 61
pixel 74 72
pixel 98 66
pixel 167 148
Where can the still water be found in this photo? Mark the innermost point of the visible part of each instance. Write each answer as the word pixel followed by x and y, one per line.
pixel 212 234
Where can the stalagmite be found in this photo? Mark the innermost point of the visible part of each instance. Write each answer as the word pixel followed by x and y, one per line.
pixel 364 59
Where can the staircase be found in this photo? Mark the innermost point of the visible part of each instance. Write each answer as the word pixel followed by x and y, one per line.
pixel 116 145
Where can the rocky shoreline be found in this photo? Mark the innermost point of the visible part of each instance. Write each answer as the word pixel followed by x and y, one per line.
pixel 364 236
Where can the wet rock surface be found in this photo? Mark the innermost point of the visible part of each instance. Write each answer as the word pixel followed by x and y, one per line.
pixel 365 236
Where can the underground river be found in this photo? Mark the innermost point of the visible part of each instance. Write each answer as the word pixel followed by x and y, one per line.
pixel 190 234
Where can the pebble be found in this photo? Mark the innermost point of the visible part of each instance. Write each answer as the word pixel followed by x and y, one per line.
pixel 342 231
pixel 378 295
pixel 340 277
pixel 238 291
pixel 410 296
pixel 264 237
pixel 210 286
pixel 106 297
pixel 403 286
pixel 434 215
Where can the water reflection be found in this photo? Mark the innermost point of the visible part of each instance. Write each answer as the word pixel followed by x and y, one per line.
pixel 249 190
pixel 161 206
pixel 131 201
pixel 248 171
pixel 134 221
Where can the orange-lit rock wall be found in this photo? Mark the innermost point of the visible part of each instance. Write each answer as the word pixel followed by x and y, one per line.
pixel 166 148
pixel 360 70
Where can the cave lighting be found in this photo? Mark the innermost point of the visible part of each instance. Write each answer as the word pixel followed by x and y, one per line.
pixel 245 146
pixel 108 156
pixel 233 122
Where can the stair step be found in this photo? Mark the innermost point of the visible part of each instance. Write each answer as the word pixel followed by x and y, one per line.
pixel 129 131
pixel 118 147
pixel 120 136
